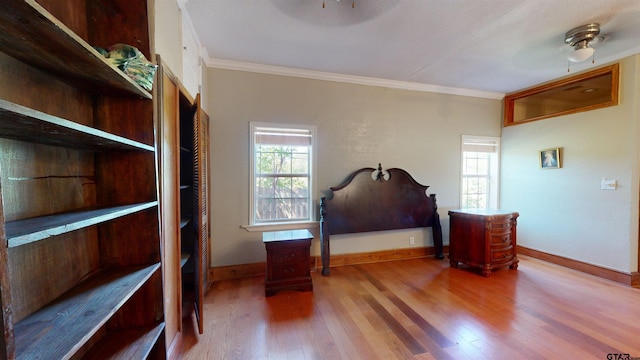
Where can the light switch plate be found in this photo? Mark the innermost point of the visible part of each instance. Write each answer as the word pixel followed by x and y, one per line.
pixel 608 184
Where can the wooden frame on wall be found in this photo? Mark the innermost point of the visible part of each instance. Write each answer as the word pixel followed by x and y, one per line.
pixel 583 92
pixel 549 158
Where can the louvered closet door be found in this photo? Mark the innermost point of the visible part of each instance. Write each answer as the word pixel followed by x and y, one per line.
pixel 200 201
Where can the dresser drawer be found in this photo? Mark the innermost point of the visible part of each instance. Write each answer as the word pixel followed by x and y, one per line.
pixel 502 255
pixel 500 226
pixel 500 240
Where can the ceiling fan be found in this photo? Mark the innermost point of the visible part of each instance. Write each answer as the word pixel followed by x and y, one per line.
pixel 582 39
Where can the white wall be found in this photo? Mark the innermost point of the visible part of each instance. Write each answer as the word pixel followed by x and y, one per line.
pixel 358 126
pixel 191 68
pixel 177 43
pixel 168 34
pixel 564 212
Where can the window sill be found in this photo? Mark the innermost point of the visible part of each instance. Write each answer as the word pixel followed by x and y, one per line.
pixel 281 226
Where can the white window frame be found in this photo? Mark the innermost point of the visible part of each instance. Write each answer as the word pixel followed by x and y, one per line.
pixel 281 225
pixel 467 144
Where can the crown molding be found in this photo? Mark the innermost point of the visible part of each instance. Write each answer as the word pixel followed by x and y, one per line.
pixel 360 80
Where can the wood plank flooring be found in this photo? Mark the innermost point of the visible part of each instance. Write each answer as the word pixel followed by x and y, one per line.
pixel 422 309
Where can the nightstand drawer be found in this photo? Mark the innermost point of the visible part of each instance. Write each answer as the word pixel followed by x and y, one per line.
pixel 287 271
pixel 288 255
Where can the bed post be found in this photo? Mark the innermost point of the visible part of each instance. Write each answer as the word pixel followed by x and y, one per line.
pixel 324 238
pixel 437 229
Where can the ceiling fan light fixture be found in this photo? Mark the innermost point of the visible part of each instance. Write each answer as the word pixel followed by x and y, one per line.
pixel 581 52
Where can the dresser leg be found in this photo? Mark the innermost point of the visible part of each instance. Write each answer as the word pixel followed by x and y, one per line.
pixel 453 263
pixel 486 272
pixel 514 266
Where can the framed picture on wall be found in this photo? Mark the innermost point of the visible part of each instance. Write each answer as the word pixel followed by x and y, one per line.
pixel 550 158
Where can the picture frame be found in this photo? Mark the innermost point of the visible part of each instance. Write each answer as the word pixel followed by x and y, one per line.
pixel 549 158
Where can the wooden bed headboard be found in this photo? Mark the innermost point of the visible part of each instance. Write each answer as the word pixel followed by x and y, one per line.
pixel 375 200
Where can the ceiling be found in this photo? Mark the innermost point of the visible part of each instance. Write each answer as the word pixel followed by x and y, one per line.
pixel 482 48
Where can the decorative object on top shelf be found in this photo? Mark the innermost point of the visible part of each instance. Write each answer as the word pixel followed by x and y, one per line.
pixel 550 158
pixel 132 62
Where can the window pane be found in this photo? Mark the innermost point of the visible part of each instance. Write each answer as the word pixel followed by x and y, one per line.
pixel 264 209
pixel 471 166
pixel 300 163
pixel 300 187
pixel 300 208
pixel 483 167
pixel 284 161
pixel 265 187
pixel 283 187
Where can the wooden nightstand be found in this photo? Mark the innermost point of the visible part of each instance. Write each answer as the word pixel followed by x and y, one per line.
pixel 288 260
pixel 483 238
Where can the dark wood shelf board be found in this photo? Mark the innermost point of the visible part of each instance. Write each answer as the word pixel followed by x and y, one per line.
pixel 127 344
pixel 31 34
pixel 58 330
pixel 21 232
pixel 22 123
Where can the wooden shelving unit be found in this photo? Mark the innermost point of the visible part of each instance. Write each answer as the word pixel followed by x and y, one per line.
pixel 80 265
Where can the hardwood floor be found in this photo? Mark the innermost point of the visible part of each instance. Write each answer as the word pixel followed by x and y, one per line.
pixel 422 309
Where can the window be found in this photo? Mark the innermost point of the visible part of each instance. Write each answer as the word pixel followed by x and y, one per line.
pixel 281 173
pixel 480 164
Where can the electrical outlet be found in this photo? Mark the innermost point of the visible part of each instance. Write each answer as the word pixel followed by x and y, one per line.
pixel 412 241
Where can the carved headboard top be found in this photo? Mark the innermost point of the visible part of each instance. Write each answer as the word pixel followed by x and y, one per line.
pixel 374 200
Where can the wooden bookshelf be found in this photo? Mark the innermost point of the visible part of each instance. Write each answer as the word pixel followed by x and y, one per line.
pixel 80 261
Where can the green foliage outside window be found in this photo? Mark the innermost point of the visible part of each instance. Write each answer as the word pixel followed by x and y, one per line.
pixel 282 182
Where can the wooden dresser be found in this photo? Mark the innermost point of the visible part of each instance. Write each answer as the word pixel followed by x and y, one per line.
pixel 288 260
pixel 483 238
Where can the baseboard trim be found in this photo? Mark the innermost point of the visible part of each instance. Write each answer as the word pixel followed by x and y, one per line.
pixel 254 269
pixel 218 273
pixel 630 279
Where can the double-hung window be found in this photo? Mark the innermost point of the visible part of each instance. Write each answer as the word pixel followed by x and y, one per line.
pixel 480 169
pixel 281 173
